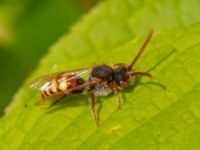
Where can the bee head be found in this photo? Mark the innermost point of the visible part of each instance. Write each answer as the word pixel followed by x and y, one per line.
pixel 124 75
pixel 121 76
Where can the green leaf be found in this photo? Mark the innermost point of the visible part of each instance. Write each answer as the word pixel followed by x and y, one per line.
pixel 162 113
pixel 26 31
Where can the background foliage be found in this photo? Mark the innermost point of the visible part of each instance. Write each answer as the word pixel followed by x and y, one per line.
pixel 158 114
pixel 27 29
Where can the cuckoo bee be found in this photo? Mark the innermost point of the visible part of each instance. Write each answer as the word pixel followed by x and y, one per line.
pixel 98 80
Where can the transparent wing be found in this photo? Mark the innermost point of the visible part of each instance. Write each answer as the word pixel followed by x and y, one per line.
pixel 69 75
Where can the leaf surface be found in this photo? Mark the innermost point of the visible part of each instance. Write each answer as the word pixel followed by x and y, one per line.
pixel 159 113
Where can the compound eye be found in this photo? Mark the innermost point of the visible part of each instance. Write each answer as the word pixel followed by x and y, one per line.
pixel 120 75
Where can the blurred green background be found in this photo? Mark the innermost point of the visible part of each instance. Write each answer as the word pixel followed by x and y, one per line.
pixel 27 29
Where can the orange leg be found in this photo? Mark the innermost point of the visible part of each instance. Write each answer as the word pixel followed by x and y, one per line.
pixel 142 74
pixel 118 99
pixel 92 105
pixel 116 91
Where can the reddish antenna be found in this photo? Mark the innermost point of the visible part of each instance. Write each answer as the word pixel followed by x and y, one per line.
pixel 141 49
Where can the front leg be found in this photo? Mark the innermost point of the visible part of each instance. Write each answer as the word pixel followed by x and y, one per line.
pixel 92 105
pixel 118 99
pixel 114 87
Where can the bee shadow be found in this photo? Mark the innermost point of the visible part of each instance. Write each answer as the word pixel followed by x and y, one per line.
pixel 137 83
pixel 75 101
pixel 138 79
pixel 78 100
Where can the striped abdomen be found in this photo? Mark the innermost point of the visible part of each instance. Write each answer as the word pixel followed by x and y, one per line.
pixel 58 86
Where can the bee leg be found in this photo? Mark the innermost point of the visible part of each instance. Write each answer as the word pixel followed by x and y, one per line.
pixel 116 91
pixel 118 99
pixel 92 105
pixel 56 101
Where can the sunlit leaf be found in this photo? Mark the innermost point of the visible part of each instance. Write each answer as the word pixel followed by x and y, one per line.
pixel 162 113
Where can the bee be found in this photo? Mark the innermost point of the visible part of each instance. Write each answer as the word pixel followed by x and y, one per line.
pixel 98 80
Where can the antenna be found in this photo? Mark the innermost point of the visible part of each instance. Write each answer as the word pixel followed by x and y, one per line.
pixel 141 49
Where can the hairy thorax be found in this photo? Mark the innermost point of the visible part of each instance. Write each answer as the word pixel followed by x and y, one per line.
pixel 102 89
